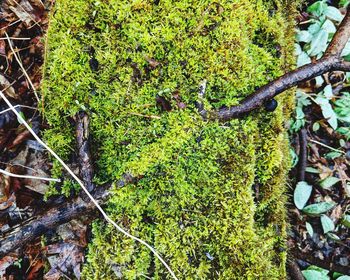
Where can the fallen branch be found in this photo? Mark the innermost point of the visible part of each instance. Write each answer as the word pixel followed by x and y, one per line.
pixel 24 233
pixel 82 136
pixel 331 61
pixel 89 195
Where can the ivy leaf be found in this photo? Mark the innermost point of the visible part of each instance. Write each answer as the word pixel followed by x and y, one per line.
pixel 318 43
pixel 315 27
pixel 318 8
pixel 318 208
pixel 304 36
pixel 302 194
pixel 329 26
pixel 329 182
pixel 309 229
pixel 327 111
pixel 327 224
pixel 333 13
pixel 328 91
pixel 303 59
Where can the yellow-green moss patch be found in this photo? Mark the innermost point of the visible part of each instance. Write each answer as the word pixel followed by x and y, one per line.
pixel 209 196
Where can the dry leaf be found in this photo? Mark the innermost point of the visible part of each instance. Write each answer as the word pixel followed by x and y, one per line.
pixel 7 88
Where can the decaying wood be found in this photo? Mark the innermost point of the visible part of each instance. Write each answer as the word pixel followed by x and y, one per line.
pixel 302 154
pixel 331 61
pixel 83 143
pixel 294 271
pixel 24 233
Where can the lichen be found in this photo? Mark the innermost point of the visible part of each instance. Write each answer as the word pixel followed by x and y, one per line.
pixel 209 196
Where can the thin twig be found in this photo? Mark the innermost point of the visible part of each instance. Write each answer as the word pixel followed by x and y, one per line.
pixel 28 176
pixel 15 38
pixel 17 106
pixel 145 116
pixel 23 69
pixel 104 214
pixel 326 146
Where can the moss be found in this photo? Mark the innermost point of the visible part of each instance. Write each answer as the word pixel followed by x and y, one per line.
pixel 194 200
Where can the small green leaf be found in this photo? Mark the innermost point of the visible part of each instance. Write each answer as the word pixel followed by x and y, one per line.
pixel 312 170
pixel 342 143
pixel 319 269
pixel 333 236
pixel 333 13
pixel 318 8
pixel 344 3
pixel 315 126
pixel 309 229
pixel 315 27
pixel 318 208
pixel 327 224
pixel 302 194
pixel 319 81
pixel 333 155
pixel 327 111
pixel 328 92
pixel 303 59
pixel 314 275
pixel 346 221
pixel 318 43
pixel 23 117
pixel 329 26
pixel 329 182
pixel 304 36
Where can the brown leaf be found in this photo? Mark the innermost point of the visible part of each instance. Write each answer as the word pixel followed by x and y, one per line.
pixel 163 103
pixel 325 171
pixel 5 263
pixel 69 260
pixel 336 213
pixel 7 88
pixel 24 11
pixel 152 62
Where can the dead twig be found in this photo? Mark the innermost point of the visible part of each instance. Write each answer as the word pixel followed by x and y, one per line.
pixel 331 61
pixel 82 136
pixel 302 154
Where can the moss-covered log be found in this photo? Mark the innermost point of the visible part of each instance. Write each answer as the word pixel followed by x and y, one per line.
pixel 209 196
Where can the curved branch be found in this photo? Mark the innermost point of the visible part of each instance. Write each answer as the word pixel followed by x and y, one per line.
pixel 331 61
pixel 340 38
pixel 277 86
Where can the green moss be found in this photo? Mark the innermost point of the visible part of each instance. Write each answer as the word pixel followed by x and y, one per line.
pixel 194 200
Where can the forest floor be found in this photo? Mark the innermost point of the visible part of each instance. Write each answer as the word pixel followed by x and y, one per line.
pixel 320 185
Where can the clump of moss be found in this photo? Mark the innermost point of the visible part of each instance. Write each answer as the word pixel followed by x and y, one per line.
pixel 196 198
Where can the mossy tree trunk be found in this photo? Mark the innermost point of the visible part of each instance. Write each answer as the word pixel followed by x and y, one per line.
pixel 209 196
